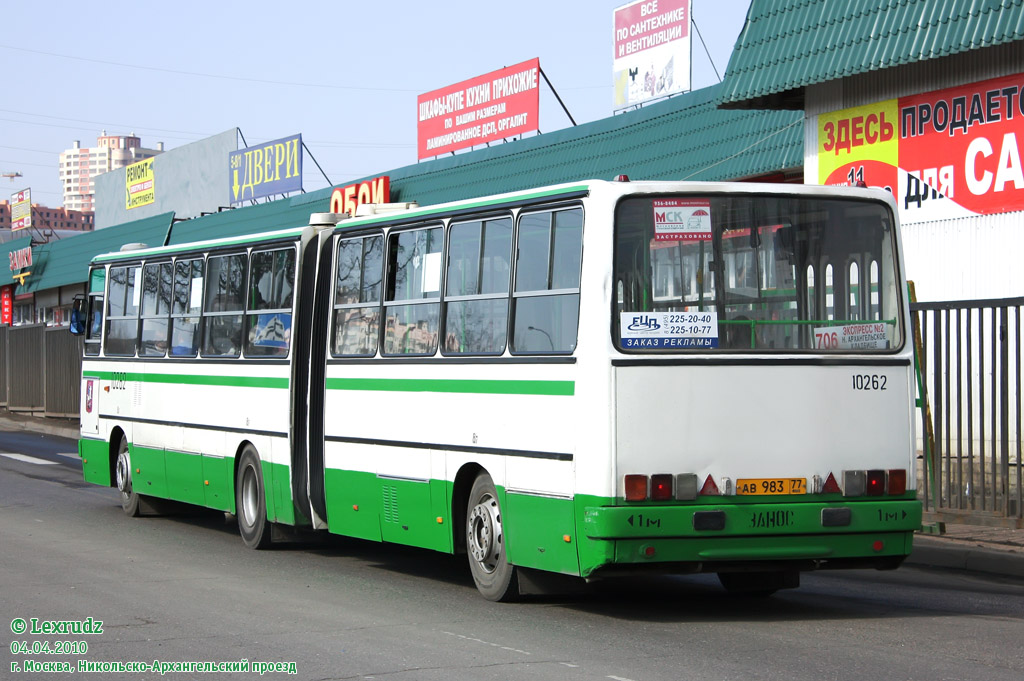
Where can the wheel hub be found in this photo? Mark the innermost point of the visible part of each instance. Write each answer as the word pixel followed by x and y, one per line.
pixel 484 533
pixel 123 472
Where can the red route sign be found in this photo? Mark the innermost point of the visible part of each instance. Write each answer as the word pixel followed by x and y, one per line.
pixel 495 106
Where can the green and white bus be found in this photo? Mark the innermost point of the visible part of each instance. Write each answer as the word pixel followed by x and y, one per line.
pixel 592 379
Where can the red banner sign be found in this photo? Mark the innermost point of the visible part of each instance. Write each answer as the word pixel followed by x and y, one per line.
pixel 487 108
pixel 944 154
pixel 6 305
pixel 21 258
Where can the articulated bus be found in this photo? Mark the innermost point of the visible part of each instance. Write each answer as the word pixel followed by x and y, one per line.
pixel 592 379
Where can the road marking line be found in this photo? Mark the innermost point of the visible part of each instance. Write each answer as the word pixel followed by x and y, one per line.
pixel 29 459
pixel 72 455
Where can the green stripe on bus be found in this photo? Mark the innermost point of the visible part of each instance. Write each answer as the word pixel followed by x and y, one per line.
pixel 444 385
pixel 194 379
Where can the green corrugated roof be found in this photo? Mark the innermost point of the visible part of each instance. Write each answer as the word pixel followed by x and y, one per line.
pixel 66 261
pixel 787 45
pixel 685 137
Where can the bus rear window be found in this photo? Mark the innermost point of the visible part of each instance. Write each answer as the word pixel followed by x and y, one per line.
pixel 755 273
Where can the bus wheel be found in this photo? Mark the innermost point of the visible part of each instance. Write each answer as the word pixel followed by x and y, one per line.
pixel 485 543
pixel 123 474
pixel 250 501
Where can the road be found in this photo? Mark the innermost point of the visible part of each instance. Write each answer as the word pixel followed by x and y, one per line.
pixel 183 588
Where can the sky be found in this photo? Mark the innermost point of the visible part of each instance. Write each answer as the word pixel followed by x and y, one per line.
pixel 345 75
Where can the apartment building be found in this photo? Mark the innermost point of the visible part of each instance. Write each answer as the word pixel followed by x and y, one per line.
pixel 80 165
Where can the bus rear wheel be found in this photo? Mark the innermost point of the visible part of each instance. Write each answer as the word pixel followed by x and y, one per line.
pixel 495 578
pixel 130 501
pixel 251 501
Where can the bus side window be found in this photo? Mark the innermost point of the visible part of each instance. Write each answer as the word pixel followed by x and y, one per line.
pixel 223 305
pixel 269 309
pixel 156 304
pixel 546 300
pixel 413 298
pixel 122 326
pixel 357 296
pixel 94 312
pixel 479 263
pixel 186 306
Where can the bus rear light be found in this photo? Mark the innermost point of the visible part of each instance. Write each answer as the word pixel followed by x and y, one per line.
pixel 709 488
pixel 875 483
pixel 661 487
pixel 897 482
pixel 854 483
pixel 831 486
pixel 636 487
pixel 686 486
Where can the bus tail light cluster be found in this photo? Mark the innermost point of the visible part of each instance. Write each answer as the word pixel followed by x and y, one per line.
pixel 687 486
pixel 668 487
pixel 871 483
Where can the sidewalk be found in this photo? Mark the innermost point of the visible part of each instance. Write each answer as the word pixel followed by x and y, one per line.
pixel 995 551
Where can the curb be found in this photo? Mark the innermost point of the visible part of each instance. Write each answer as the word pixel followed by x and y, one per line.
pixel 38 426
pixel 940 553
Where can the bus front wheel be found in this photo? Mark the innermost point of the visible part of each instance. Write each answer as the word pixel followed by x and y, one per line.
pixel 485 543
pixel 250 501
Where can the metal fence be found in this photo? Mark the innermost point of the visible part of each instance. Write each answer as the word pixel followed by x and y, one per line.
pixel 970 363
pixel 40 370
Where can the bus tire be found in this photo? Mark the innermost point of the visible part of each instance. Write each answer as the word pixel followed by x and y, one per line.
pixel 251 500
pixel 130 500
pixel 495 578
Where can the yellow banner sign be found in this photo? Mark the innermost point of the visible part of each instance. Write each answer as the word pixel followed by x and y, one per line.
pixel 139 184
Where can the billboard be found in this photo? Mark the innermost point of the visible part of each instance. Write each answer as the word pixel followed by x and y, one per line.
pixel 943 154
pixel 21 209
pixel 495 106
pixel 652 51
pixel 191 183
pixel 265 170
pixel 139 184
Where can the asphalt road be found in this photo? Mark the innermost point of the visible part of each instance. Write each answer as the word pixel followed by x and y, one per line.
pixel 182 588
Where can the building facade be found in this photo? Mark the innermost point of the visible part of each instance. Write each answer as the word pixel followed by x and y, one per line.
pixel 46 219
pixel 80 165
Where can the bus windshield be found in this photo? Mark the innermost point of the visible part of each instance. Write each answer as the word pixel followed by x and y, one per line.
pixel 755 273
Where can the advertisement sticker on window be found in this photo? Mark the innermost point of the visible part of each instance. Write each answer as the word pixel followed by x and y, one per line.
pixel 682 219
pixel 659 330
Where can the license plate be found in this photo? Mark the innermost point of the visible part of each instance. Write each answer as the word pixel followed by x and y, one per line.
pixel 771 486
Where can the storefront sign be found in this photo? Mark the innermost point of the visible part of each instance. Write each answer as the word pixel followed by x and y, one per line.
pixel 348 199
pixel 652 51
pixel 944 154
pixel 21 209
pixel 491 107
pixel 6 305
pixel 265 170
pixel 139 184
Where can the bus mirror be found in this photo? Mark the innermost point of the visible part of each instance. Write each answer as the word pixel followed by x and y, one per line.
pixel 77 327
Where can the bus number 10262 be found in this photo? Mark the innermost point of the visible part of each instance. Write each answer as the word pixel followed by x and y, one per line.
pixel 869 381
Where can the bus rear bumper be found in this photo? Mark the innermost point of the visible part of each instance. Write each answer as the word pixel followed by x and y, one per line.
pixel 724 537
